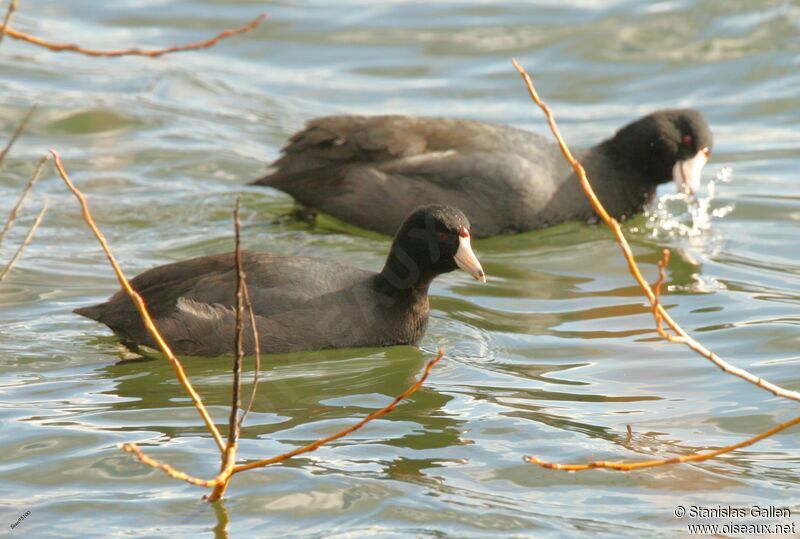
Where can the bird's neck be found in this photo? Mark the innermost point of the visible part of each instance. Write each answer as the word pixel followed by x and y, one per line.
pixel 403 275
pixel 625 191
pixel 393 282
pixel 631 154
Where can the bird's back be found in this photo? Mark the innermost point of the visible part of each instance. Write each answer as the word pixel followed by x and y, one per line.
pixel 298 302
pixel 372 170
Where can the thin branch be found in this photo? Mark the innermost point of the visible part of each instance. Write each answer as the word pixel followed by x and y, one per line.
pixel 662 264
pixel 169 470
pixel 352 428
pixel 236 403
pixel 684 337
pixel 140 306
pixel 17 131
pixel 697 457
pixel 257 350
pixel 229 458
pixel 58 47
pixel 11 8
pixel 15 210
pixel 228 468
pixel 25 243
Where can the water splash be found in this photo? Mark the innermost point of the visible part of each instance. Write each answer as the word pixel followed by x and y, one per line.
pixel 682 215
pixel 684 223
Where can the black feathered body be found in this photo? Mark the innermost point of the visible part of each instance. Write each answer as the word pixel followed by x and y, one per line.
pixel 300 303
pixel 371 171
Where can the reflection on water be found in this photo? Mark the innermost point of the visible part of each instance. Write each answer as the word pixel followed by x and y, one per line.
pixel 300 398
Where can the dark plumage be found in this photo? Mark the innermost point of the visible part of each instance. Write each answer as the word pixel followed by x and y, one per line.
pixel 299 303
pixel 371 171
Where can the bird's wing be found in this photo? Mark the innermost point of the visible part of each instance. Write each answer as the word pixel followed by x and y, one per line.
pixel 204 288
pixel 373 171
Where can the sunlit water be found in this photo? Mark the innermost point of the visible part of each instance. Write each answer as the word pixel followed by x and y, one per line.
pixel 555 356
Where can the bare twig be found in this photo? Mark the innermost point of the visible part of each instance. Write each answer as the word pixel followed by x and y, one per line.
pixel 257 350
pixel 662 264
pixel 17 132
pixel 697 457
pixel 352 428
pixel 633 267
pixel 15 210
pixel 229 458
pixel 25 243
pixel 228 467
pixel 141 307
pixel 169 470
pixel 9 12
pixel 233 427
pixel 58 47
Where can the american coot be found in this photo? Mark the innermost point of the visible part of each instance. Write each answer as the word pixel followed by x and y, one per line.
pixel 299 303
pixel 370 171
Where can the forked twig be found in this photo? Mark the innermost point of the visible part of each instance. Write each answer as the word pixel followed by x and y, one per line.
pixel 697 457
pixel 58 47
pixel 662 264
pixel 659 313
pixel 140 306
pixel 222 479
pixel 25 243
pixel 633 266
pixel 12 216
pixel 228 468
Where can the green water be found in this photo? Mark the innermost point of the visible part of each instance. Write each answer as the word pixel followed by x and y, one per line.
pixel 554 356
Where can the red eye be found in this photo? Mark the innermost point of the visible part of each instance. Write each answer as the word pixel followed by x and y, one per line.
pixel 687 140
pixel 442 236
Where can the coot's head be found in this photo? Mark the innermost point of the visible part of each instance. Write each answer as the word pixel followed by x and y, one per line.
pixel 432 240
pixel 672 144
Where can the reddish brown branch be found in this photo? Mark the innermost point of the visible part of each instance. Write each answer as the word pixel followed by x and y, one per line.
pixel 633 267
pixel 169 470
pixel 229 458
pixel 662 264
pixel 233 427
pixel 697 457
pixel 58 47
pixel 228 468
pixel 352 428
pixel 140 306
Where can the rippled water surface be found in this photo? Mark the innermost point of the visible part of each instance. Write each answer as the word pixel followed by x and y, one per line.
pixel 555 356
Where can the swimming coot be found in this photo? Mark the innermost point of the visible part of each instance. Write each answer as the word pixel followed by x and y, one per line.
pixel 371 171
pixel 300 303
